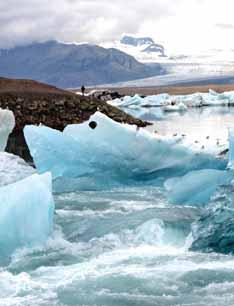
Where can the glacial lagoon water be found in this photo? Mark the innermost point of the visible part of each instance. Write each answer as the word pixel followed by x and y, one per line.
pixel 127 246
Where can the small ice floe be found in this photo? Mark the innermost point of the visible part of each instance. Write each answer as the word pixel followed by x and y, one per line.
pixel 173 107
pixel 7 123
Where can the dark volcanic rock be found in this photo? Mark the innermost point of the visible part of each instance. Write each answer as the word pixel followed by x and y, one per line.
pixel 106 95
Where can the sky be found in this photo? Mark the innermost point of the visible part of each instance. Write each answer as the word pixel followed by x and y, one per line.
pixel 180 25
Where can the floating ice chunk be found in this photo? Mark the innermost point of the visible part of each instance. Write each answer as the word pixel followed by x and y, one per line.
pixel 214 231
pixel 192 100
pixel 13 169
pixel 7 123
pixel 145 113
pixel 181 107
pixel 26 213
pixel 196 187
pixel 198 99
pixel 231 149
pixel 137 101
pixel 111 151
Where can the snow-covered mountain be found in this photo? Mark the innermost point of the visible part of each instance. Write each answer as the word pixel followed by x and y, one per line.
pixel 144 49
pixel 193 65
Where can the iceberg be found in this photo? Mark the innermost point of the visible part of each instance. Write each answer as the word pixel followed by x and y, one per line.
pixel 165 100
pixel 214 231
pixel 7 123
pixel 181 107
pixel 138 101
pixel 111 152
pixel 13 169
pixel 231 149
pixel 197 187
pixel 26 213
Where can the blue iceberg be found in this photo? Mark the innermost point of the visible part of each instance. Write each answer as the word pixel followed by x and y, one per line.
pixel 210 98
pixel 197 187
pixel 26 213
pixel 110 153
pixel 214 231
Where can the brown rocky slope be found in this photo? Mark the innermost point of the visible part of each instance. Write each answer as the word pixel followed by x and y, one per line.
pixel 35 103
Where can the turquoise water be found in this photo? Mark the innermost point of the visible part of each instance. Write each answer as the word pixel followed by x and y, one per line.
pixel 126 246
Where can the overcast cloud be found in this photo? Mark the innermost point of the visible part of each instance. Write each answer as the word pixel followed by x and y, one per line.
pixel 178 24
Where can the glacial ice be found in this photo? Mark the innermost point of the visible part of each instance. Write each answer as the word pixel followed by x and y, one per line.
pixel 7 123
pixel 197 187
pixel 112 152
pixel 231 149
pixel 180 107
pixel 137 101
pixel 13 169
pixel 26 213
pixel 165 100
pixel 214 231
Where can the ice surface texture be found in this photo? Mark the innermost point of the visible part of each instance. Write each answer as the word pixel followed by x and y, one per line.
pixel 197 187
pixel 214 232
pixel 112 152
pixel 26 213
pixel 7 123
pixel 13 169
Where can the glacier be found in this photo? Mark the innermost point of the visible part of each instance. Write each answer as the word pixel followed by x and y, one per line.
pixel 7 123
pixel 26 213
pixel 111 153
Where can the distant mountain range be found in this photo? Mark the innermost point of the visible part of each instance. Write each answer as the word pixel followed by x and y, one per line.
pixel 71 65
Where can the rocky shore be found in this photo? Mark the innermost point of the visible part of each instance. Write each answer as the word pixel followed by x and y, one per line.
pixel 36 103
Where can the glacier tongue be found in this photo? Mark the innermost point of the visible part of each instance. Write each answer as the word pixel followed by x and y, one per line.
pixel 26 213
pixel 7 123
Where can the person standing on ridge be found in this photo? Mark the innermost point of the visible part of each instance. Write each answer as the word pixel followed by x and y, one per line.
pixel 83 90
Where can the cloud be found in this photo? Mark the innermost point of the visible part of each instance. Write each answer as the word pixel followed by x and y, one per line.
pixel 75 20
pixel 225 26
pixel 178 24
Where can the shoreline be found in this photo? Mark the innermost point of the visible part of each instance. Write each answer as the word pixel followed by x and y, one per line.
pixel 172 90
